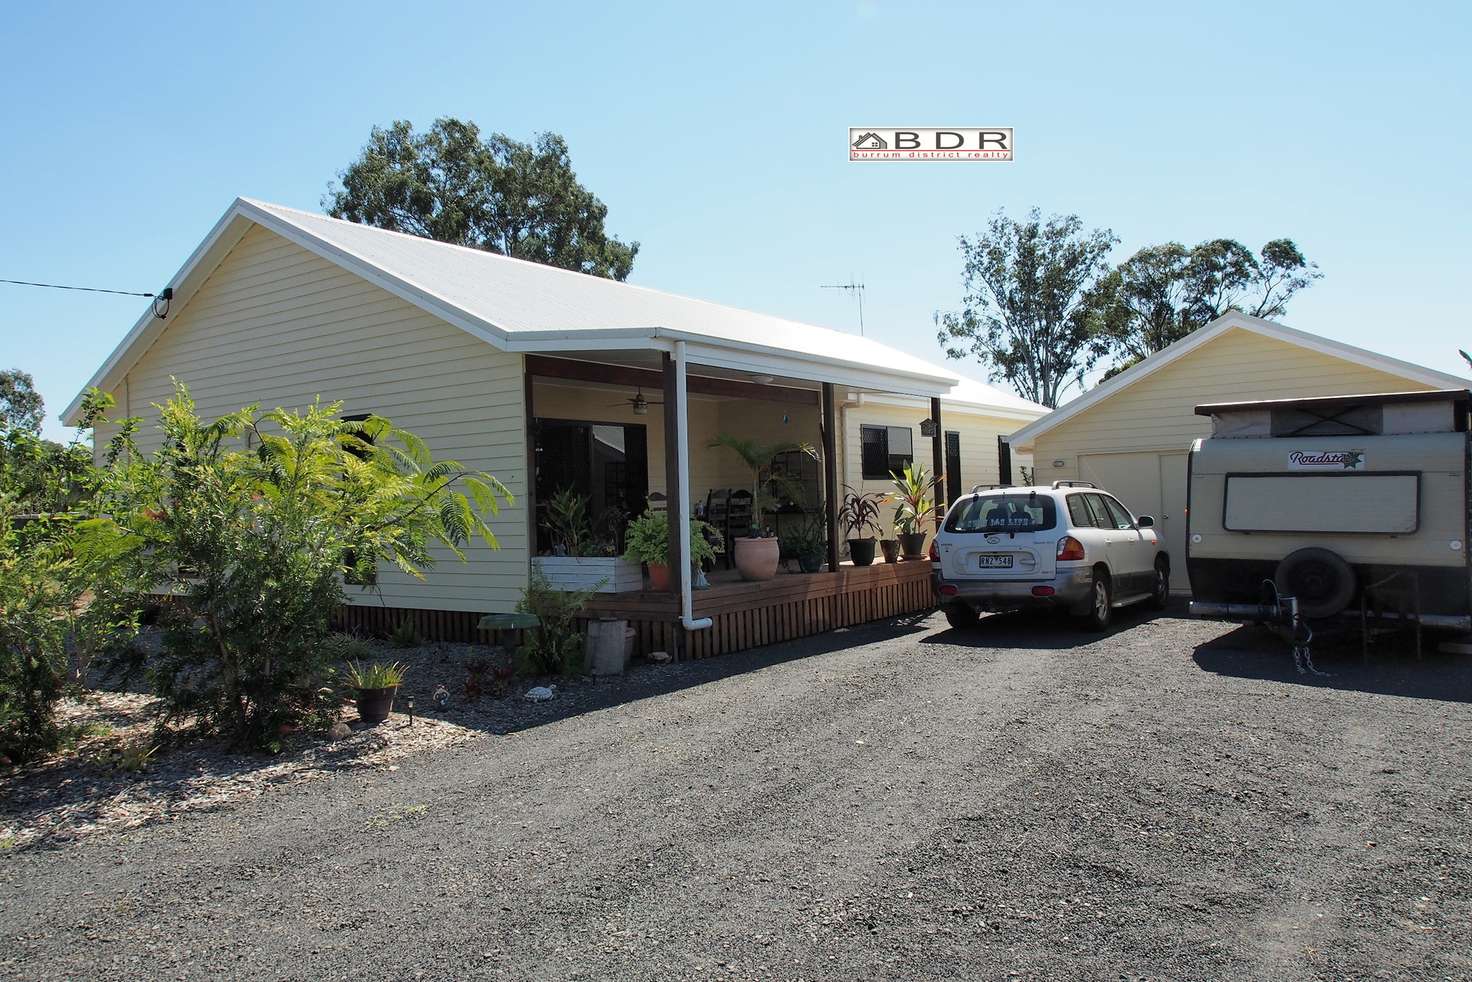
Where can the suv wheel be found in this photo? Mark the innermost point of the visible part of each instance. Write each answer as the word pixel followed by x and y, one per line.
pixel 1160 595
pixel 961 615
pixel 1101 600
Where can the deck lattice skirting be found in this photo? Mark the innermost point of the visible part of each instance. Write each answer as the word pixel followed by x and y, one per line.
pixel 744 615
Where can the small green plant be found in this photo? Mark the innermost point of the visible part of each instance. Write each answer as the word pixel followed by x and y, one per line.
pixel 859 513
pixel 912 494
pixel 375 675
pixel 807 541
pixel 405 634
pixel 555 648
pixel 136 756
pixel 567 521
pixel 647 540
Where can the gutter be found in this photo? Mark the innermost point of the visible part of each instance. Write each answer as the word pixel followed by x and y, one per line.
pixel 682 430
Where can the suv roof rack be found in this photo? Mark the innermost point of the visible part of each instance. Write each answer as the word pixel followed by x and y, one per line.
pixel 1075 484
pixel 989 487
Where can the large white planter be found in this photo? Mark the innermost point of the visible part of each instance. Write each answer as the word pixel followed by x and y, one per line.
pixel 602 574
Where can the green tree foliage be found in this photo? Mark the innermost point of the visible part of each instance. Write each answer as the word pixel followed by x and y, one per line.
pixel 1031 308
pixel 21 407
pixel 1164 292
pixel 491 193
pixel 250 523
pixel 59 604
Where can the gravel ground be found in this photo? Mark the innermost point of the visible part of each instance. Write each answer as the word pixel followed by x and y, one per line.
pixel 905 801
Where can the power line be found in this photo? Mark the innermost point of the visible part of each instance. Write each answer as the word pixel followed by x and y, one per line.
pixel 86 289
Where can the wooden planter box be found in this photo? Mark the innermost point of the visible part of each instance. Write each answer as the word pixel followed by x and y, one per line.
pixel 602 574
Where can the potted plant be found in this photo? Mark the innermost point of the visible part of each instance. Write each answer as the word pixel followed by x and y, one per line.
pixel 582 558
pixel 912 490
pixel 647 541
pixel 807 543
pixel 891 550
pixel 376 685
pixel 859 514
pixel 757 553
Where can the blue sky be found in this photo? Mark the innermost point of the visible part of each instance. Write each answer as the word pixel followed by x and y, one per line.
pixel 716 137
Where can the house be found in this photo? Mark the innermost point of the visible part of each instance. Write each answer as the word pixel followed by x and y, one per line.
pixel 547 378
pixel 871 141
pixel 1131 433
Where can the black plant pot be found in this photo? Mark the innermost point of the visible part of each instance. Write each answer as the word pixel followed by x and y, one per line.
pixel 861 551
pixel 912 544
pixel 810 564
pixel 375 705
pixel 891 548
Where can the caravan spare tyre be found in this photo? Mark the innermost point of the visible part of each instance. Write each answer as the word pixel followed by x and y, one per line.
pixel 1320 579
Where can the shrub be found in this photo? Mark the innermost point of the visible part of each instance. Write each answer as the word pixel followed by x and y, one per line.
pixel 254 544
pixel 555 648
pixel 59 603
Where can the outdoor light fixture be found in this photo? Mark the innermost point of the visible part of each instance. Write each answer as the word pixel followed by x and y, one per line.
pixel 162 301
pixel 409 705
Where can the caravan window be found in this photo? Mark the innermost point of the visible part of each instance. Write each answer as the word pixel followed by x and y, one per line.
pixel 1385 503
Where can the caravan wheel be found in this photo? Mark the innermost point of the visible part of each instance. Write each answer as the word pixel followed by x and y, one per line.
pixel 1321 580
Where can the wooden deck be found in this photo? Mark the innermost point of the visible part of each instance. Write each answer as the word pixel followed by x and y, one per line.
pixel 748 615
pixel 744 615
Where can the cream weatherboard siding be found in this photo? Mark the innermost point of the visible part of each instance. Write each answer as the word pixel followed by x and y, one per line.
pixel 979 463
pixel 1158 412
pixel 1134 442
pixel 276 325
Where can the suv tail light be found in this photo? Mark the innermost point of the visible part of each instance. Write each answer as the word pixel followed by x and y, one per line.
pixel 1070 548
pixel 934 552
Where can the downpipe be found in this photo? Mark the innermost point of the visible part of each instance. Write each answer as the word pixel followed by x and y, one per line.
pixel 682 430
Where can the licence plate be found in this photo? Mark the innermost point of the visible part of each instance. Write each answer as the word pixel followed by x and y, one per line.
pixel 994 560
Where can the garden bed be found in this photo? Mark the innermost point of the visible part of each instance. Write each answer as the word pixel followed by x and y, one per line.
pixel 89 787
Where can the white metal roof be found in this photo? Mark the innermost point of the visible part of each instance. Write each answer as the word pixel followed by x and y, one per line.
pixel 1024 438
pixel 517 305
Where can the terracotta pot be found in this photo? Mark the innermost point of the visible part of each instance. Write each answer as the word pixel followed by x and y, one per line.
pixel 861 551
pixel 375 705
pixel 891 549
pixel 757 558
pixel 912 544
pixel 659 577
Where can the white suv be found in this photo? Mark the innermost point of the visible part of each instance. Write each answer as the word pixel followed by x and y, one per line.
pixel 1071 546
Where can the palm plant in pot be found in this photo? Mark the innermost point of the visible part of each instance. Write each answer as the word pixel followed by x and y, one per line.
pixel 757 553
pixel 375 684
pixel 912 492
pixel 647 541
pixel 858 514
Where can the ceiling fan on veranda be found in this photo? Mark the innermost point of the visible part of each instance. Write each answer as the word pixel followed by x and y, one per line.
pixel 637 402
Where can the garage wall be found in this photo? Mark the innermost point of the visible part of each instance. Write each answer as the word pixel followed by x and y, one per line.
pixel 1135 442
pixel 1157 413
pixel 276 325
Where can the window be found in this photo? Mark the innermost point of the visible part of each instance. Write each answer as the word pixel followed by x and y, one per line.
pixel 885 450
pixel 797 482
pixel 608 463
pixel 1078 511
pixel 1099 511
pixel 1119 513
pixel 1003 513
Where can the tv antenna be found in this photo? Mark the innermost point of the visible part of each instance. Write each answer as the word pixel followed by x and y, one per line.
pixel 854 287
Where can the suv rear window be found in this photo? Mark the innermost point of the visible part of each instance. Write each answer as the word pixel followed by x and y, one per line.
pixel 1003 513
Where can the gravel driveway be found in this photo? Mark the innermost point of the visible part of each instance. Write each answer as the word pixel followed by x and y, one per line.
pixel 905 801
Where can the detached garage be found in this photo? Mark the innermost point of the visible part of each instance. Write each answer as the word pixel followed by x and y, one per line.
pixel 1131 433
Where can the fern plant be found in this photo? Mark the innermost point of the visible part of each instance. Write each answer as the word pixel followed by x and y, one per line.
pixel 647 540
